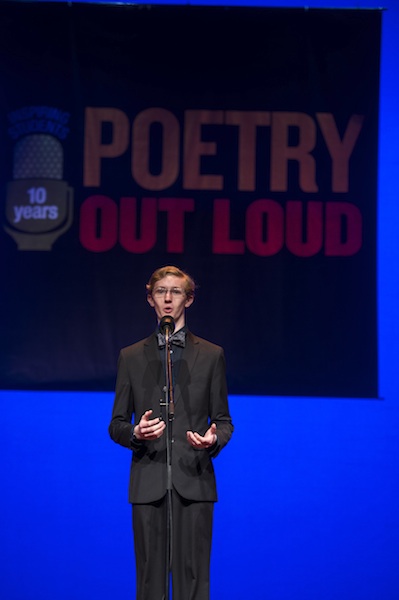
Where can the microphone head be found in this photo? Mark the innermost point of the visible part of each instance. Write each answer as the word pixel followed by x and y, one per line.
pixel 38 156
pixel 167 323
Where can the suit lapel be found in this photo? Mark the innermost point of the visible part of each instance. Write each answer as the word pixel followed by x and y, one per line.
pixel 151 352
pixel 188 359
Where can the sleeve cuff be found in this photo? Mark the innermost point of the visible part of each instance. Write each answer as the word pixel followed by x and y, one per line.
pixel 214 449
pixel 134 442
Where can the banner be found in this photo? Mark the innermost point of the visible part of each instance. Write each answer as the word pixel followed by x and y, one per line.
pixel 239 144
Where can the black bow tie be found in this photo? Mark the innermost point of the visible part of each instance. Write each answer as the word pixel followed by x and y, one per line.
pixel 178 338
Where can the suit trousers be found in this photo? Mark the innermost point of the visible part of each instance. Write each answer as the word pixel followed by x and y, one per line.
pixel 191 532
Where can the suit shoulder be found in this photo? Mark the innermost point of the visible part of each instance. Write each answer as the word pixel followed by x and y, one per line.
pixel 207 345
pixel 136 348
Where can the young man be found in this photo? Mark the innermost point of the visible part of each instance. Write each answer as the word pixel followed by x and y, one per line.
pixel 200 428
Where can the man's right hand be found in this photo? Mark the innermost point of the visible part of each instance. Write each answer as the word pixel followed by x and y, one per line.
pixel 149 429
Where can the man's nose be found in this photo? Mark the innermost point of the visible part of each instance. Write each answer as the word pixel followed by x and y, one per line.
pixel 168 295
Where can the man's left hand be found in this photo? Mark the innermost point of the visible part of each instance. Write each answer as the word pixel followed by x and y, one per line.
pixel 201 442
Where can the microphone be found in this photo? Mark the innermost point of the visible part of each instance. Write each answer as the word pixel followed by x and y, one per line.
pixel 39 203
pixel 167 324
pixel 167 327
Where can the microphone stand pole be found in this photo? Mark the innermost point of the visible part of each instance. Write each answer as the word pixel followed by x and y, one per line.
pixel 170 413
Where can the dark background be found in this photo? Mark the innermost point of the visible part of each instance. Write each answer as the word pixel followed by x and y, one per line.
pixel 289 325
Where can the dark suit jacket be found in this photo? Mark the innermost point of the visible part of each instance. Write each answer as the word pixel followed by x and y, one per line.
pixel 200 396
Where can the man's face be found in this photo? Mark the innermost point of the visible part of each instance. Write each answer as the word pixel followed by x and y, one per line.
pixel 169 298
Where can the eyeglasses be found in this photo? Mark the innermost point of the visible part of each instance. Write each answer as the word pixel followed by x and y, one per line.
pixel 162 291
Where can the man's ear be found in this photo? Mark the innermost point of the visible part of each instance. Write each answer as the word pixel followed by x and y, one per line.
pixel 150 300
pixel 189 302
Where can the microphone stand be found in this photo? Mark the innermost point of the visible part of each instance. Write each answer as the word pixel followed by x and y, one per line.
pixel 170 413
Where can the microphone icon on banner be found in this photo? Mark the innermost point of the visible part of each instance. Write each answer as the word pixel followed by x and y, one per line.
pixel 39 204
